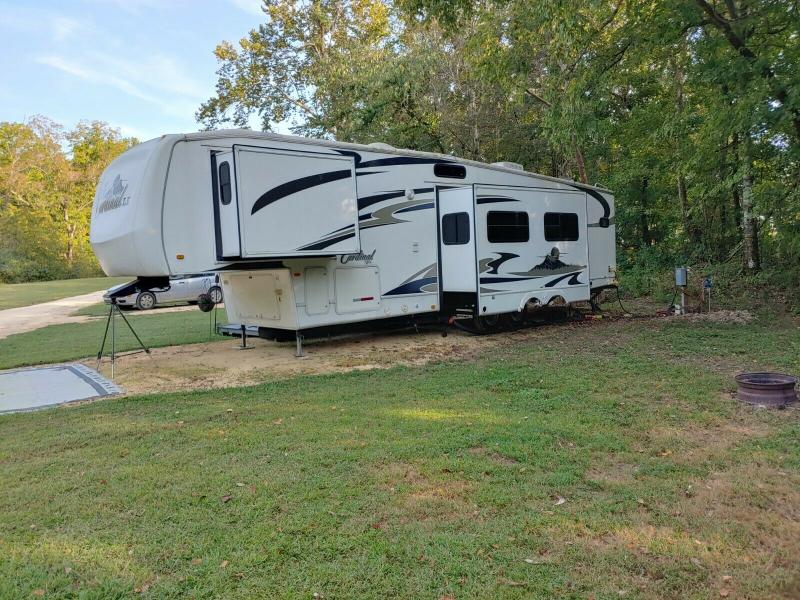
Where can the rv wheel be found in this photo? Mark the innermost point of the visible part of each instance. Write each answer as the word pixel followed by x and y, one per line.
pixel 483 325
pixel 145 301
pixel 513 320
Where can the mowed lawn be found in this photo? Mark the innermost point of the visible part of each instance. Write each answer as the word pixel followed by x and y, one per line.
pixel 590 461
pixel 13 295
pixel 72 341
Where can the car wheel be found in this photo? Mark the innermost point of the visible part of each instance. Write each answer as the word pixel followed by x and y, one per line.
pixel 215 293
pixel 145 301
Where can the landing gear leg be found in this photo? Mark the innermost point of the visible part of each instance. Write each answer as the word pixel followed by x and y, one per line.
pixel 243 345
pixel 299 345
pixel 594 302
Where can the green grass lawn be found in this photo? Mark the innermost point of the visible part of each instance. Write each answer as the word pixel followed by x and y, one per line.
pixel 24 294
pixel 71 341
pixel 97 310
pixel 589 461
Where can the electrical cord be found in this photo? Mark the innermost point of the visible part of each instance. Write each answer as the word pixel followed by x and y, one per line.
pixel 622 306
pixel 672 302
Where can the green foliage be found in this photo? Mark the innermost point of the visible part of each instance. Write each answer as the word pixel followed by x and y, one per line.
pixel 47 183
pixel 669 104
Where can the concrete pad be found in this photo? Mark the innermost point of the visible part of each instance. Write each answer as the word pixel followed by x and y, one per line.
pixel 41 387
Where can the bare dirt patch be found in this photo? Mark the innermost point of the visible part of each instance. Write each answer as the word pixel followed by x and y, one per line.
pixel 740 317
pixel 220 364
pixel 754 512
pixel 493 455
pixel 417 497
pixel 615 473
pixel 693 443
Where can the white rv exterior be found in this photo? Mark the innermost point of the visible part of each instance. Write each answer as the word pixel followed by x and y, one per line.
pixel 309 233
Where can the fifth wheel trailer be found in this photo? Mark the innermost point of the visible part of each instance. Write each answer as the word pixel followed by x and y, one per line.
pixel 309 234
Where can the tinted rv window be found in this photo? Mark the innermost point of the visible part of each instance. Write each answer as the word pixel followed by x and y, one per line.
pixel 225 183
pixel 506 226
pixel 560 227
pixel 451 171
pixel 455 229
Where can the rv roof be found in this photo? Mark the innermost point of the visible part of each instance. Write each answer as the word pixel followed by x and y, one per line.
pixel 249 133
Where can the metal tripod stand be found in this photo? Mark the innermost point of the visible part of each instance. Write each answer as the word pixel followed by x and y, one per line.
pixel 110 324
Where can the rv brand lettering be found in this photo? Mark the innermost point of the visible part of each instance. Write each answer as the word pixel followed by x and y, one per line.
pixel 116 195
pixel 358 256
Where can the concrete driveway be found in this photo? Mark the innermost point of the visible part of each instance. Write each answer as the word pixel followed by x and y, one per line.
pixel 28 318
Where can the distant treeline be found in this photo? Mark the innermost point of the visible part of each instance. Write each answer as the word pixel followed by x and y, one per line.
pixel 689 110
pixel 47 183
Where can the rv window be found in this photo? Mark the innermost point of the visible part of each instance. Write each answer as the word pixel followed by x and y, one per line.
pixel 450 171
pixel 560 227
pixel 507 226
pixel 455 229
pixel 225 183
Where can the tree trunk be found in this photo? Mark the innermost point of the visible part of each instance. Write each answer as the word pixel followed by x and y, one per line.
pixel 579 160
pixel 736 202
pixel 683 196
pixel 736 198
pixel 69 229
pixel 643 224
pixel 752 259
pixel 554 165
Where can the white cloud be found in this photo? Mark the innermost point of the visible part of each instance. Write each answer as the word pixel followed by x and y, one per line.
pixel 87 74
pixel 33 20
pixel 157 71
pixel 158 79
pixel 249 6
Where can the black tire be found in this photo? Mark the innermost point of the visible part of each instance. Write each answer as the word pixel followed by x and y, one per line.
pixel 204 303
pixel 215 293
pixel 512 321
pixel 484 325
pixel 145 301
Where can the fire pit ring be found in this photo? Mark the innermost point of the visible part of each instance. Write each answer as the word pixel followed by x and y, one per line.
pixel 767 389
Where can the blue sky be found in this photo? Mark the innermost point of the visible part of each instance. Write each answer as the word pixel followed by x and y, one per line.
pixel 143 66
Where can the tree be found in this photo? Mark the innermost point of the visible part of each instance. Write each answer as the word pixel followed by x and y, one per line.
pixel 688 110
pixel 47 183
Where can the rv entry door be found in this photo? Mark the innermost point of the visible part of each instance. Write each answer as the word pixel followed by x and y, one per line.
pixel 226 206
pixel 457 240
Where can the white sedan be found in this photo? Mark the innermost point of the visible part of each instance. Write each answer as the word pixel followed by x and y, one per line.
pixel 185 288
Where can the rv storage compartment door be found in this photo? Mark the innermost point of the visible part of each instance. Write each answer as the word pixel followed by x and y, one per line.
pixel 296 203
pixel 227 211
